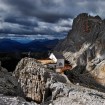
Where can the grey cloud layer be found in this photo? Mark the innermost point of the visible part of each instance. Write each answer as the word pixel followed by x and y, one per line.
pixel 44 17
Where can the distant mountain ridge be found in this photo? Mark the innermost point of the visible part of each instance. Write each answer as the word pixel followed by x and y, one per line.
pixel 8 45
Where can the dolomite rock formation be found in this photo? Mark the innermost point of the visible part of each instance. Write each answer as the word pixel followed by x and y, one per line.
pixel 84 48
pixel 33 77
pixel 85 41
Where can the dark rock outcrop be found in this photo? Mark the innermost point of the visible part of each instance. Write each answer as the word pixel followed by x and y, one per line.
pixel 84 47
pixel 8 84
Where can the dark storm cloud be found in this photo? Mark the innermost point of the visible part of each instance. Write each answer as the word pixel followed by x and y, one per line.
pixel 53 10
pixel 46 10
pixel 44 17
pixel 21 21
pixel 41 28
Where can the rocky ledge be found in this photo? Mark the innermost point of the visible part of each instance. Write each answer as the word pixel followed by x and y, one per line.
pixel 46 87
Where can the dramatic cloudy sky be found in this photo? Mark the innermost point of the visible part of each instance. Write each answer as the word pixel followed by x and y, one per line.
pixel 39 19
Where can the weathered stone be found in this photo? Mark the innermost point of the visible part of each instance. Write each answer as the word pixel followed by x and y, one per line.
pixel 33 77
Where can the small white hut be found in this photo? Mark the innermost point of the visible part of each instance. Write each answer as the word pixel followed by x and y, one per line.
pixel 58 60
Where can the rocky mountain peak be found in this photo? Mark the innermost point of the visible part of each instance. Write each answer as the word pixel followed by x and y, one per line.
pixel 84 47
pixel 86 32
pixel 86 23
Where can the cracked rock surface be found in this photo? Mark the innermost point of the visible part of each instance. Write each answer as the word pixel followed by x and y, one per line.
pixel 33 77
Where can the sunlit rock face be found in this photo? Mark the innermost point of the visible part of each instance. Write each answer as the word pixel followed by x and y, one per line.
pixel 99 73
pixel 84 47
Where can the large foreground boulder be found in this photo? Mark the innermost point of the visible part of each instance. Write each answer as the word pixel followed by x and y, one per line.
pixel 33 77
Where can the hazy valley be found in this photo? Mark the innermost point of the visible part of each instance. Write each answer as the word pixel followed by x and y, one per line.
pixel 11 52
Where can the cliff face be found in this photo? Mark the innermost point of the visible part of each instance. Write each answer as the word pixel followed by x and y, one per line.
pixel 84 47
pixel 85 41
pixel 47 87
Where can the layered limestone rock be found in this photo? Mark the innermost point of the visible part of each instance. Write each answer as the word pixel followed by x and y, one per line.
pixel 8 84
pixel 84 47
